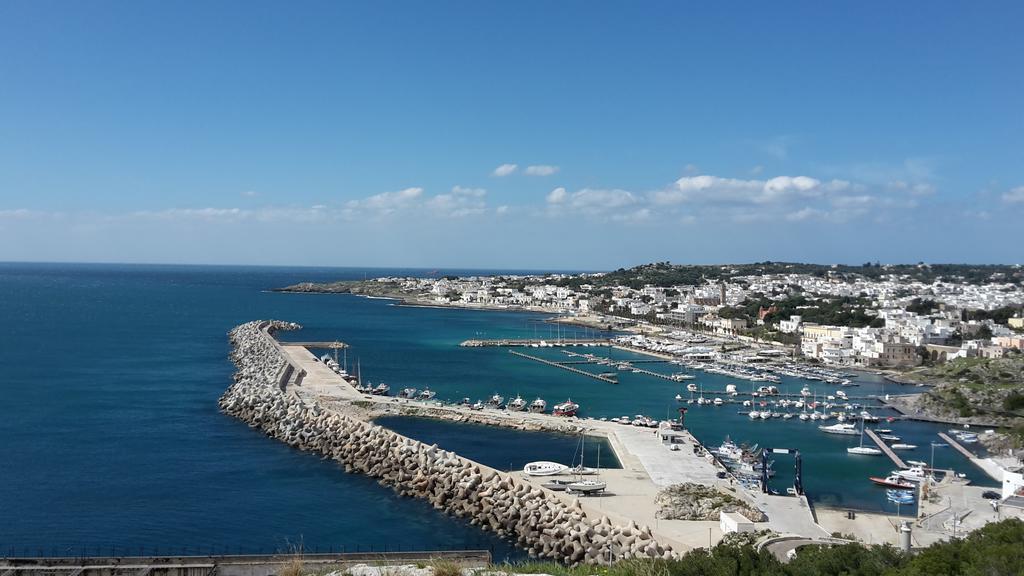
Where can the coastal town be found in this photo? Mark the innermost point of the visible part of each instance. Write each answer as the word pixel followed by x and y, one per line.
pixel 891 321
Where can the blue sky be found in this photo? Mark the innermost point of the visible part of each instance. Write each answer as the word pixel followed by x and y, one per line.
pixel 581 135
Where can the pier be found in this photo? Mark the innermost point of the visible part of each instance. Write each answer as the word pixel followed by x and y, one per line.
pixel 886 449
pixel 564 367
pixel 535 343
pixel 958 446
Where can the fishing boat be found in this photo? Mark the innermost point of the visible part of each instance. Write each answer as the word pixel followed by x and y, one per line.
pixel 717 402
pixel 408 393
pixel 496 400
pixel 691 387
pixel 427 394
pixel 863 450
pixel 517 404
pixel 478 405
pixel 381 389
pixel 567 408
pixel 538 406
pixel 893 481
pixel 901 446
pixel 754 415
pixel 544 468
pixel 582 470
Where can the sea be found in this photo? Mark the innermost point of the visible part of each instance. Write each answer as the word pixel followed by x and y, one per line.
pixel 111 441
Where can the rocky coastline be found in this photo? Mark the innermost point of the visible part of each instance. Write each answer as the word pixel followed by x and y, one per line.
pixel 543 524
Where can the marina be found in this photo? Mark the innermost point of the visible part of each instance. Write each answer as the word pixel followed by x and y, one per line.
pixel 886 449
pixel 563 366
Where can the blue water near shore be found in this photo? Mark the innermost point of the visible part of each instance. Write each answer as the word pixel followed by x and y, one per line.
pixel 111 434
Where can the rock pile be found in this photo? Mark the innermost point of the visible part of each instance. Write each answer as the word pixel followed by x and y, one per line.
pixel 540 522
pixel 690 501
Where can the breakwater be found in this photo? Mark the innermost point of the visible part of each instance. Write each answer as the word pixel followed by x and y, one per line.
pixel 543 524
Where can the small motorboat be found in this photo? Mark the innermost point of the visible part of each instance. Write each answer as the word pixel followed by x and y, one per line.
pixel 544 468
pixel 902 446
pixel 427 394
pixel 538 406
pixel 893 481
pixel 864 451
pixel 517 404
pixel 582 471
pixel 557 485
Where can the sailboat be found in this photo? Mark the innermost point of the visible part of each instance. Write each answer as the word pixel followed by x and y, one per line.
pixel 588 486
pixel 862 449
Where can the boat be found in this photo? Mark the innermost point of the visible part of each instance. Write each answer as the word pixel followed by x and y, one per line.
pixel 900 496
pixel 538 406
pixel 805 391
pixel 556 484
pixel 901 446
pixel 841 394
pixel 582 470
pixel 863 450
pixel 868 417
pixel 517 404
pixel 916 463
pixel 381 389
pixel 691 387
pixel 914 474
pixel 883 430
pixel 728 450
pixel 478 405
pixel 889 437
pixel 893 481
pixel 496 400
pixel 567 408
pixel 717 402
pixel 587 486
pixel 754 415
pixel 427 394
pixel 844 429
pixel 408 393
pixel 544 468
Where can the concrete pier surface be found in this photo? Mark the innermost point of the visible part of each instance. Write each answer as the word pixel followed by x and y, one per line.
pixel 648 464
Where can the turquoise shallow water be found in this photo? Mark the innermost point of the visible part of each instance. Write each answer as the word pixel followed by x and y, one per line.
pixel 111 434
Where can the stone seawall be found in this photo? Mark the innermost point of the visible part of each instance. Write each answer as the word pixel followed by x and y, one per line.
pixel 542 523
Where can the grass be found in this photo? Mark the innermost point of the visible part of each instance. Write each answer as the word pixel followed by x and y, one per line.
pixel 446 568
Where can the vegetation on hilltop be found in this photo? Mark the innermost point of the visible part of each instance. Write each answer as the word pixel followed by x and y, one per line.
pixel 994 550
pixel 665 274
pixel 835 311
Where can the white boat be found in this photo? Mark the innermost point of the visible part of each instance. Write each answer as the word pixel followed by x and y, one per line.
pixel 496 400
pixel 427 394
pixel 517 404
pixel 538 405
pixel 862 449
pixel 764 415
pixel 915 474
pixel 717 402
pixel 787 415
pixel 844 429
pixel 478 405
pixel 691 387
pixel 582 470
pixel 679 398
pixel 408 393
pixel 841 394
pixel 567 408
pixel 544 468
pixel 805 391
pixel 804 416
pixel 586 486
pixel 754 415
pixel 901 446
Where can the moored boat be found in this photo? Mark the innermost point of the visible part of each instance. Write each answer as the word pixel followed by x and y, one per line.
pixel 567 408
pixel 544 468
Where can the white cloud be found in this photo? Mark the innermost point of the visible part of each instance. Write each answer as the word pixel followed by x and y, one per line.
pixel 557 196
pixel 505 170
pixel 1014 196
pixel 707 189
pixel 459 203
pixel 503 209
pixel 387 202
pixel 540 170
pixel 249 194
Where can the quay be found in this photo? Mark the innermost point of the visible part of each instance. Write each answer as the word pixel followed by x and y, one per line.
pixel 886 449
pixel 228 565
pixel 649 464
pixel 564 367
pixel 535 343
pixel 957 446
pixel 987 465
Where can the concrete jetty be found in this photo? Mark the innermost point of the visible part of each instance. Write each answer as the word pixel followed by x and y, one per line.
pixel 886 449
pixel 534 343
pixel 546 525
pixel 563 366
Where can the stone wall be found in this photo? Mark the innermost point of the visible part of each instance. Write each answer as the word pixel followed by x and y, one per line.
pixel 539 521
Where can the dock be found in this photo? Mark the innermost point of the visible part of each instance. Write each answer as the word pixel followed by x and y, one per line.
pixel 956 445
pixel 564 367
pixel 335 345
pixel 886 449
pixel 534 343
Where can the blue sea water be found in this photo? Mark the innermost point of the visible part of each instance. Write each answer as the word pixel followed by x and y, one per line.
pixel 110 433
